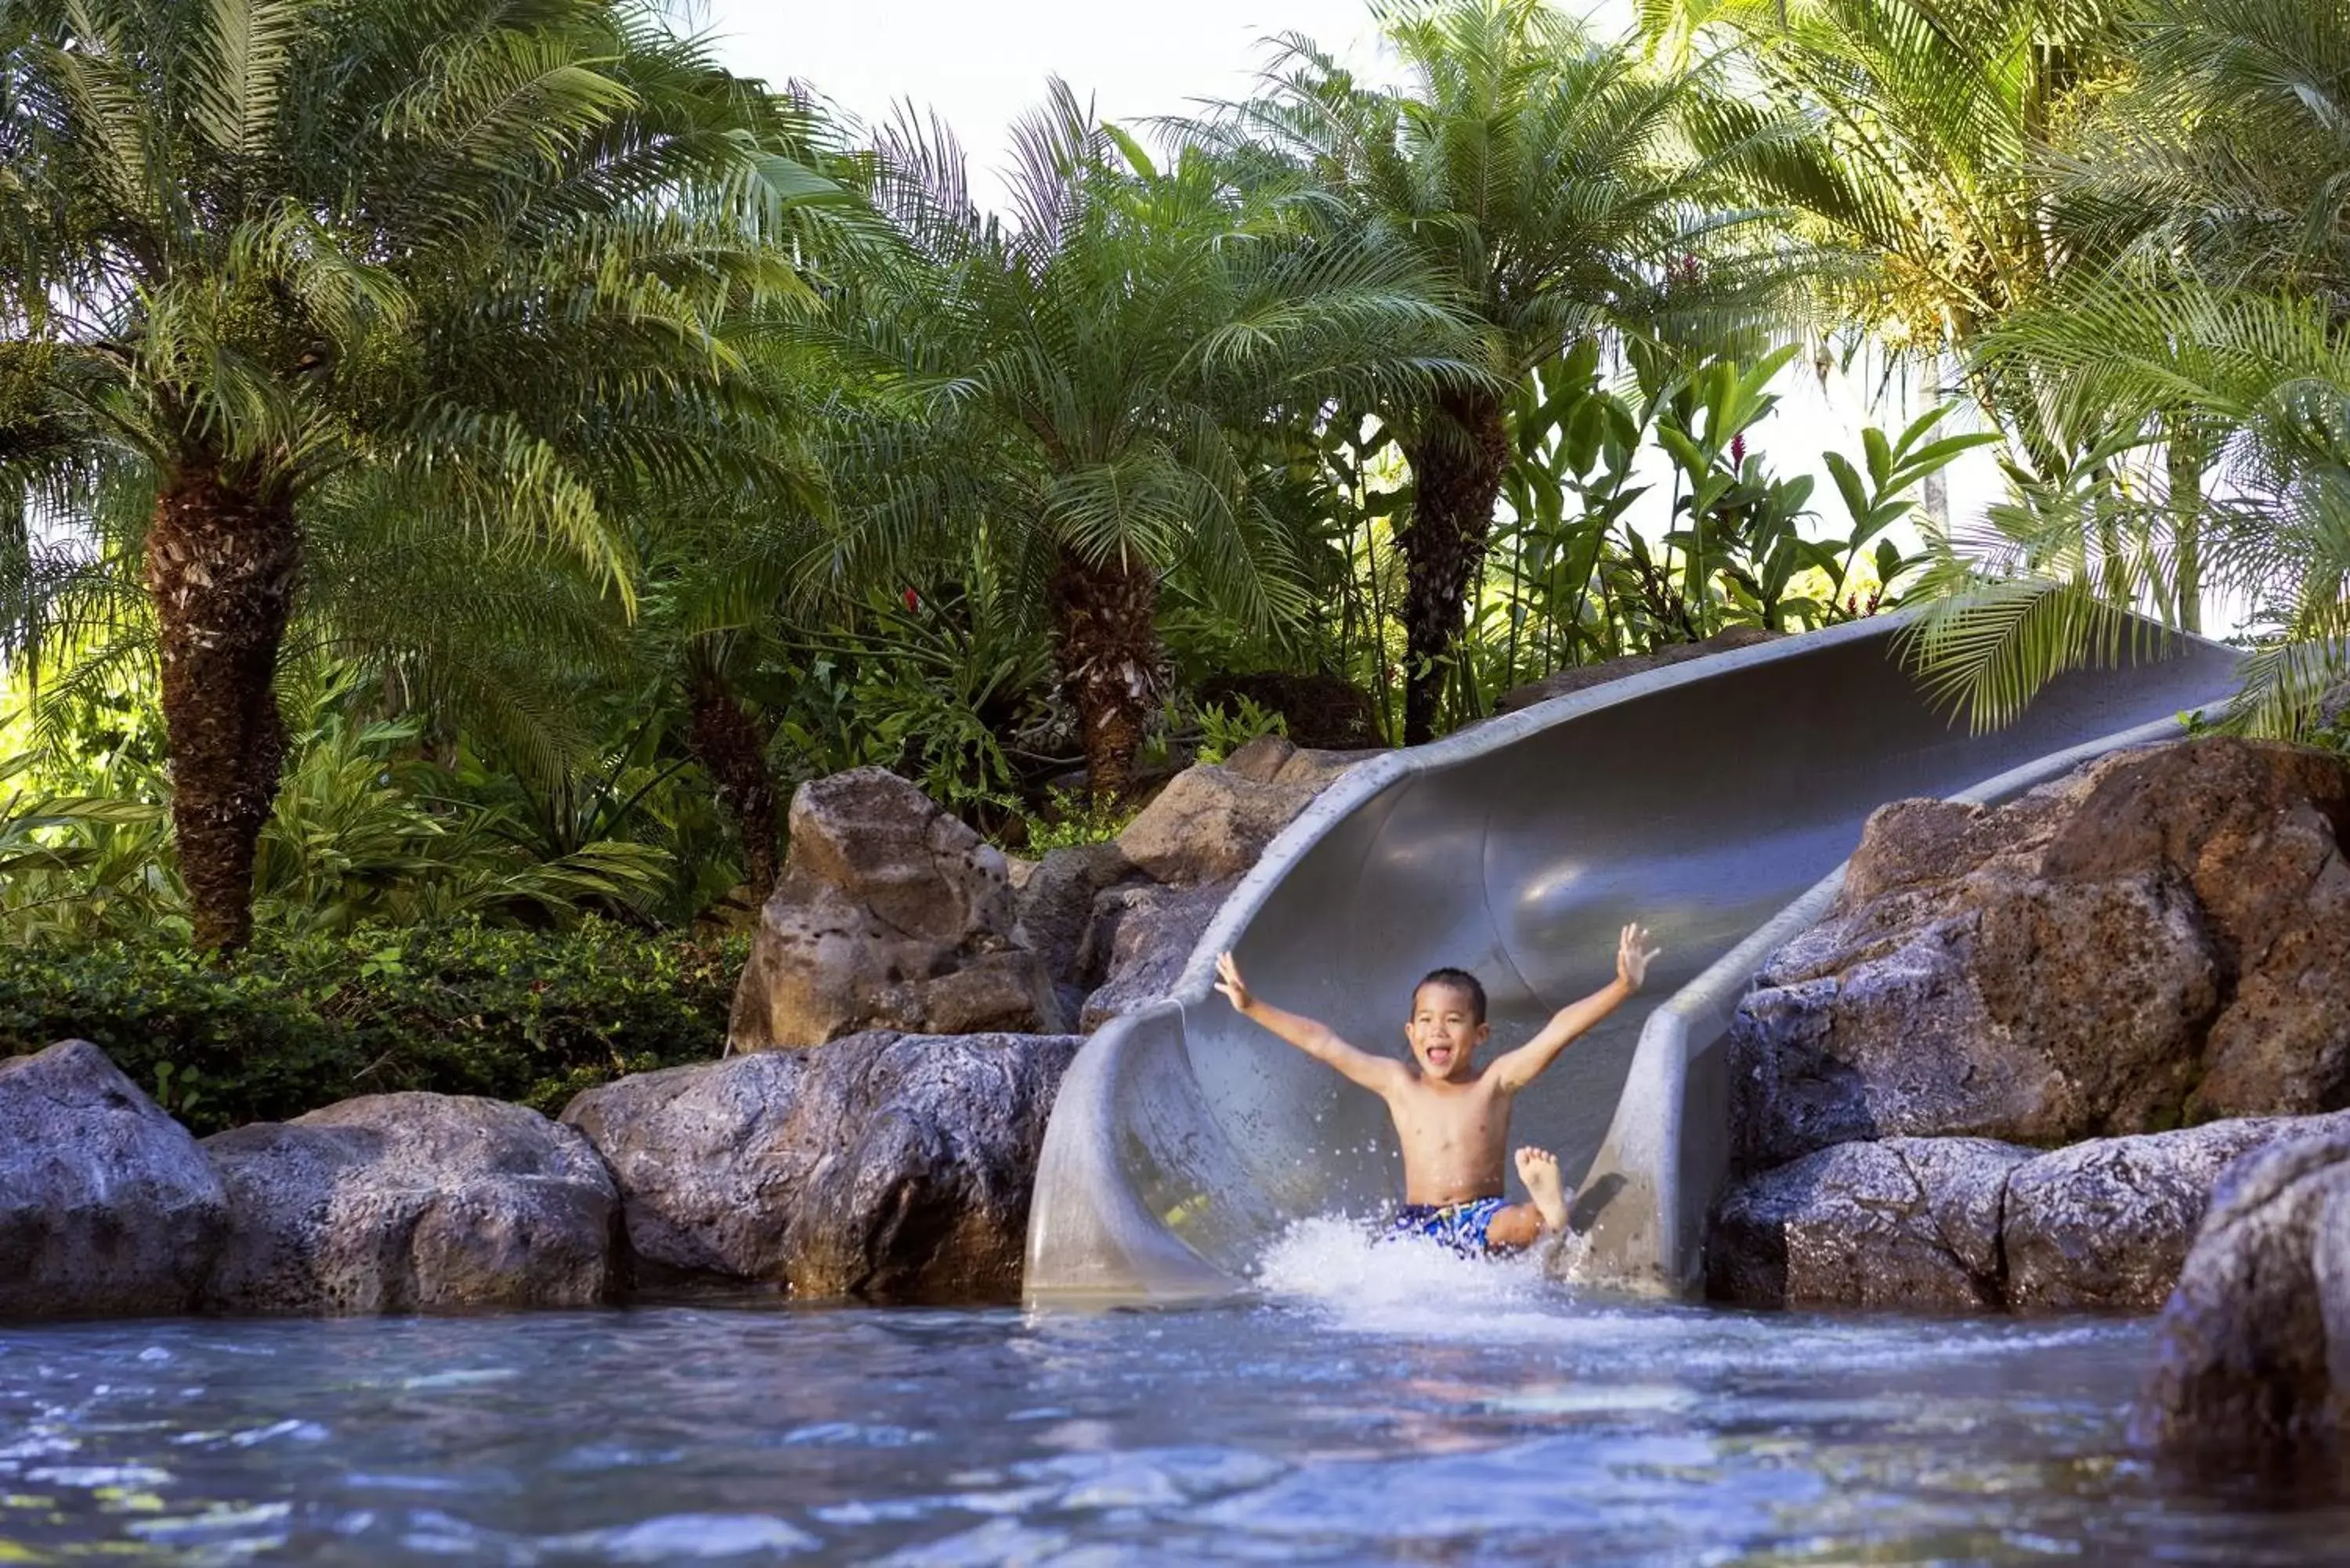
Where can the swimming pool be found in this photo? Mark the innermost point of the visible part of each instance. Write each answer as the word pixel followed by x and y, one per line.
pixel 1370 1406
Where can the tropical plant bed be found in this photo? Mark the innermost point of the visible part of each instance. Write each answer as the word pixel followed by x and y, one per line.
pixel 294 1023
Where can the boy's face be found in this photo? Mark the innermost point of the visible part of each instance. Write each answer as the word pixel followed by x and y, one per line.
pixel 1444 1031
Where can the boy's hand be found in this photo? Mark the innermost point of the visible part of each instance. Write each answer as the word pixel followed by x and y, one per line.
pixel 1228 981
pixel 1632 956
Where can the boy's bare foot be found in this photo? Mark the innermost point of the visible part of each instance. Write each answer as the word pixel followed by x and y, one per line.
pixel 1538 1168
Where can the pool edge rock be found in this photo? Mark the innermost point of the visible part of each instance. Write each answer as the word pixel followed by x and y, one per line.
pixel 883 1166
pixel 107 1205
pixel 409 1203
pixel 2251 1373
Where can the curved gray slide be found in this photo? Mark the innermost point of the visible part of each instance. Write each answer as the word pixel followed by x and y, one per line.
pixel 1714 800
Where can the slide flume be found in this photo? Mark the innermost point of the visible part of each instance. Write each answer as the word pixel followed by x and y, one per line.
pixel 1715 801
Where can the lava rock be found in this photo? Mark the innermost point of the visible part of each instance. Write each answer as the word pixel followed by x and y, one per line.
pixel 2251 1375
pixel 1139 942
pixel 1907 1222
pixel 410 1202
pixel 1209 825
pixel 885 1165
pixel 2161 937
pixel 1961 1223
pixel 2108 1223
pixel 891 914
pixel 1056 910
pixel 108 1207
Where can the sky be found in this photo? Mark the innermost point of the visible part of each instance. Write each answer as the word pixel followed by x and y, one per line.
pixel 982 63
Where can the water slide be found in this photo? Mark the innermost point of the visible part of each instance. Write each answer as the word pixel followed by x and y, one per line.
pixel 1715 801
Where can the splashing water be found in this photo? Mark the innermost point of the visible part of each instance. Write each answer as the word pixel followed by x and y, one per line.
pixel 1378 1284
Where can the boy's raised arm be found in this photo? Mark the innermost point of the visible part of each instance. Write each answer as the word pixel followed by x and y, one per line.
pixel 1318 1040
pixel 1515 1069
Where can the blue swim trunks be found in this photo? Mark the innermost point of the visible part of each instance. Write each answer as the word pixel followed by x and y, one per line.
pixel 1460 1226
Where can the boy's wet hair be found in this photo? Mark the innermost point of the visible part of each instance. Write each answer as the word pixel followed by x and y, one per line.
pixel 1458 979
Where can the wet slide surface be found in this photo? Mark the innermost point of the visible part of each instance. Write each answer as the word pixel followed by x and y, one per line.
pixel 1700 800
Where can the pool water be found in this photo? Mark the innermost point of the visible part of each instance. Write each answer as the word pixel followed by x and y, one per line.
pixel 1389 1405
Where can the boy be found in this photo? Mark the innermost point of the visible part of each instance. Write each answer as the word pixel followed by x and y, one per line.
pixel 1451 1115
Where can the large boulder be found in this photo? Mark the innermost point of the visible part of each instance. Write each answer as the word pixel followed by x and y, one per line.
pixel 107 1205
pixel 1137 944
pixel 2161 937
pixel 1209 825
pixel 1057 901
pixel 2107 1223
pixel 891 914
pixel 1908 1222
pixel 2252 1361
pixel 410 1202
pixel 885 1166
pixel 1971 1224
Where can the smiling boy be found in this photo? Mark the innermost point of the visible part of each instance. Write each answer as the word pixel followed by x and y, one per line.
pixel 1451 1115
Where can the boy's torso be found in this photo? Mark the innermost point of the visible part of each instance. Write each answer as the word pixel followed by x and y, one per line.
pixel 1455 1137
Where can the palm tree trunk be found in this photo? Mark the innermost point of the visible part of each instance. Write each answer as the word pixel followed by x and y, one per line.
pixel 1457 466
pixel 729 747
pixel 222 563
pixel 1105 623
pixel 2184 459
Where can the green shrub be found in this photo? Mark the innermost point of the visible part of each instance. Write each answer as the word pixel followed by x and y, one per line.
pixel 299 1022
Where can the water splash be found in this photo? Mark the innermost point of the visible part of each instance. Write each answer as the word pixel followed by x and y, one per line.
pixel 1411 1285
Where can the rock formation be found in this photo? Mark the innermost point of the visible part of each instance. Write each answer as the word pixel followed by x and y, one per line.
pixel 410 1203
pixel 2251 1367
pixel 887 1166
pixel 2157 939
pixel 1963 1224
pixel 108 1208
pixel 2162 937
pixel 891 914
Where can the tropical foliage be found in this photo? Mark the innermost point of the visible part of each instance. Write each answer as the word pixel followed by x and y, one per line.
pixel 463 463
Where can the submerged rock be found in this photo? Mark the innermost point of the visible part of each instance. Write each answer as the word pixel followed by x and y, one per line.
pixel 891 914
pixel 108 1207
pixel 409 1203
pixel 2252 1360
pixel 892 1166
pixel 2163 935
pixel 1968 1223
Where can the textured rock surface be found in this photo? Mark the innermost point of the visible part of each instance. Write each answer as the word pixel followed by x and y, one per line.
pixel 2108 1223
pixel 891 914
pixel 1056 910
pixel 2252 1360
pixel 107 1205
pixel 1908 1222
pixel 1139 942
pixel 1209 825
pixel 2162 936
pixel 1974 1223
pixel 885 1165
pixel 411 1201
pixel 1583 677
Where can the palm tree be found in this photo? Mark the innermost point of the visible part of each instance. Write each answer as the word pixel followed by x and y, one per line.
pixel 1558 188
pixel 2210 176
pixel 272 262
pixel 1080 381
